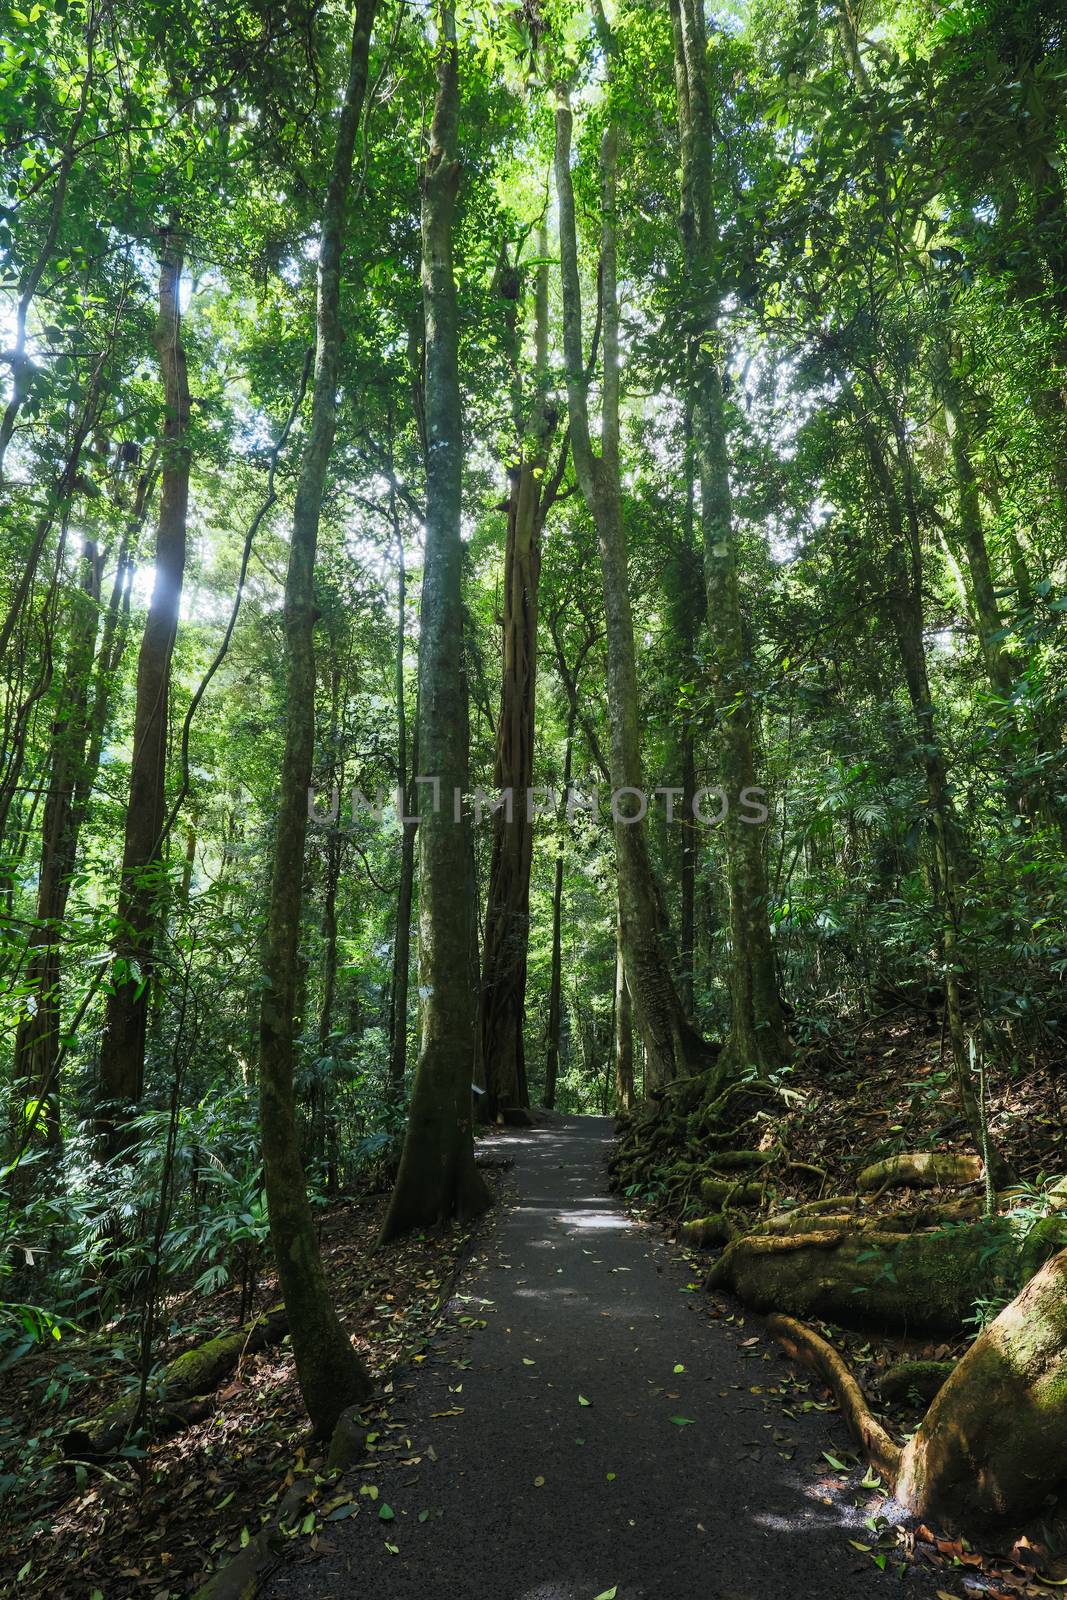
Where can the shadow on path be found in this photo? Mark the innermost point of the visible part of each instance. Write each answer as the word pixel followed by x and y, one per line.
pixel 537 1496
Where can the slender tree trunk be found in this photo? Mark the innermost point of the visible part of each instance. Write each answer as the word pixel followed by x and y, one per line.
pixel 688 877
pixel 37 1038
pixel 555 986
pixel 624 1033
pixel 123 1049
pixel 398 1016
pixel 757 1034
pixel 998 663
pixel 507 916
pixel 113 639
pixel 438 1178
pixel 330 1374
pixel 672 1045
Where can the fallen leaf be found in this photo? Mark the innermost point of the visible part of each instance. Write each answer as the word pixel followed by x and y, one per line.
pixel 386 1514
pixel 682 1422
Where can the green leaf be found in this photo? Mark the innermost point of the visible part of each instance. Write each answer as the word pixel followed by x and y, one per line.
pixel 582 1401
pixel 682 1422
pixel 608 1594
pixel 386 1514
pixel 339 1513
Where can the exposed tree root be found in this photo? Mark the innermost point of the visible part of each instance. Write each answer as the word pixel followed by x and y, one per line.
pixel 243 1575
pixel 921 1170
pixel 922 1378
pixel 714 1229
pixel 186 1380
pixel 804 1344
pixel 991 1450
pixel 734 1160
pixel 916 1282
pixel 730 1191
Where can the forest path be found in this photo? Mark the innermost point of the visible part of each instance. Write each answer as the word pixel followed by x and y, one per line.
pixel 579 1300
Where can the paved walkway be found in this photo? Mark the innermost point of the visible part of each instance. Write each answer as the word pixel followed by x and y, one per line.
pixel 560 1469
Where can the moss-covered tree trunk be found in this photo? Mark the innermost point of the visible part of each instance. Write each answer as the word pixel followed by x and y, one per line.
pixel 438 1178
pixel 330 1373
pixel 757 1030
pixel 122 1052
pixel 992 1448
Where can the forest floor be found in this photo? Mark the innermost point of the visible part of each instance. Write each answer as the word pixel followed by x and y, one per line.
pixel 590 1424
pixel 157 1525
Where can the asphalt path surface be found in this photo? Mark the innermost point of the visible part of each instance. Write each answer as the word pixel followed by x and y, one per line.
pixel 609 1430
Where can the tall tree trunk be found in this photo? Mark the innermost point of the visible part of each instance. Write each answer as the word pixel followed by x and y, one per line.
pixel 507 917
pixel 555 984
pixel 674 1049
pixel 330 1374
pixel 37 1037
pixel 624 1033
pixel 757 1031
pixel 438 1178
pixel 113 639
pixel 398 1015
pixel 123 1049
pixel 998 663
